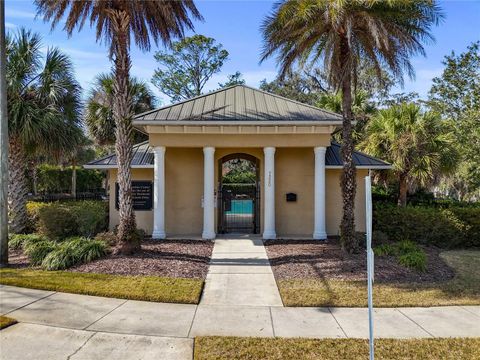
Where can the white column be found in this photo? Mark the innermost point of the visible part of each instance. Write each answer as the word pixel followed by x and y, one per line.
pixel 269 194
pixel 159 193
pixel 208 193
pixel 319 231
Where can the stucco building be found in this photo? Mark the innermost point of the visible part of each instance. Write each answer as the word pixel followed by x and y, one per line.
pixel 178 174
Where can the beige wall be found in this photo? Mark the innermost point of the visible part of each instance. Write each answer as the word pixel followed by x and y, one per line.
pixel 294 172
pixel 144 218
pixel 334 201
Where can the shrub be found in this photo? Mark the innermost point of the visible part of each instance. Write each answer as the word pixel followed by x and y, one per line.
pixel 108 237
pixel 414 259
pixel 20 241
pixel 61 220
pixel 91 217
pixel 57 221
pixel 379 237
pixel 451 227
pixel 384 250
pixel 38 250
pixel 33 209
pixel 72 252
pixel 407 253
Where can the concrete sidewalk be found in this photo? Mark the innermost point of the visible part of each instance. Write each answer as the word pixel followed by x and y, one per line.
pixel 56 325
pixel 240 274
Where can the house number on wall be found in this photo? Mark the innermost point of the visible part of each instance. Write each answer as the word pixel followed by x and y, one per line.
pixel 269 178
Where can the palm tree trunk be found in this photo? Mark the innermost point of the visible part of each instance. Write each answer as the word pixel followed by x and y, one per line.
pixel 402 194
pixel 3 145
pixel 122 114
pixel 17 189
pixel 348 181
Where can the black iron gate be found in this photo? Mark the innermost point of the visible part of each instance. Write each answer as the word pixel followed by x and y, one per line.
pixel 239 208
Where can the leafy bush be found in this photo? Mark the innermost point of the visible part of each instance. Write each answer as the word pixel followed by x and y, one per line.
pixel 57 221
pixel 72 252
pixel 108 237
pixel 379 238
pixel 414 259
pixel 38 250
pixel 90 216
pixel 451 227
pixel 407 252
pixel 384 250
pixel 20 241
pixel 60 220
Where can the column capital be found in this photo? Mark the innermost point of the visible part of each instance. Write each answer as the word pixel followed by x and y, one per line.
pixel 320 150
pixel 208 150
pixel 269 150
pixel 159 149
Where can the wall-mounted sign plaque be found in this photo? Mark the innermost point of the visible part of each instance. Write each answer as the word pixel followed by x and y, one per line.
pixel 142 192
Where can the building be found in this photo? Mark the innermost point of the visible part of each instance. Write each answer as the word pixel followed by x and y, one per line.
pixel 178 174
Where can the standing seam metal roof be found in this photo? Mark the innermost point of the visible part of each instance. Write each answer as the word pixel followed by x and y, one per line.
pixel 238 103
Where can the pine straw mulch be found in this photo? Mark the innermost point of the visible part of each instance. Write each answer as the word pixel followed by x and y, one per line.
pixel 166 258
pixel 326 260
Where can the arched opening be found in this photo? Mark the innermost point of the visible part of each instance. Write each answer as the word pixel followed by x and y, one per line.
pixel 239 195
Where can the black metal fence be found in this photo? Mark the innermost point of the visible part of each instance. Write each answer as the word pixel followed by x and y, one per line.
pixel 94 194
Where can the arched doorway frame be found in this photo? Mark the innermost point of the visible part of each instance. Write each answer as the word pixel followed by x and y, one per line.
pixel 257 199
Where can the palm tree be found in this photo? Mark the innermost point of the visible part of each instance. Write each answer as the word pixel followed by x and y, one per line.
pixel 43 103
pixel 342 35
pixel 419 145
pixel 99 114
pixel 3 145
pixel 116 21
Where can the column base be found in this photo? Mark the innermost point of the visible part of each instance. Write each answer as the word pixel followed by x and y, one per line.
pixel 269 235
pixel 209 236
pixel 320 236
pixel 158 235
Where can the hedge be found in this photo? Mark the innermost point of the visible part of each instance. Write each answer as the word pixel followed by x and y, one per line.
pixel 55 179
pixel 59 220
pixel 452 227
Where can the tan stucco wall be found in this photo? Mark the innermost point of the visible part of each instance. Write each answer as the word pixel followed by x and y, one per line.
pixel 334 203
pixel 144 218
pixel 294 172
pixel 183 191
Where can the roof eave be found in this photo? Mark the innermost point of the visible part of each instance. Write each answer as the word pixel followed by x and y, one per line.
pixel 236 122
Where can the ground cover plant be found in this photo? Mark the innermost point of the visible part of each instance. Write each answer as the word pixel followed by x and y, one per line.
pixel 5 322
pixel 320 274
pixel 406 252
pixel 166 271
pixel 52 255
pixel 148 288
pixel 232 348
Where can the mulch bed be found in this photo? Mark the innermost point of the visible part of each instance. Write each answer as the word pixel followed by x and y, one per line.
pixel 17 259
pixel 326 260
pixel 169 258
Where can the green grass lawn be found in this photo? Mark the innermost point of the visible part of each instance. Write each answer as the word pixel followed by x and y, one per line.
pixel 6 322
pixel 148 288
pixel 464 289
pixel 232 348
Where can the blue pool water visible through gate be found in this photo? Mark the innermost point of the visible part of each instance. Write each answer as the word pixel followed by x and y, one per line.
pixel 241 207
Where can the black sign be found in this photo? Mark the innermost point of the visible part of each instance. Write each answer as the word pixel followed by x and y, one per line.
pixel 142 192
